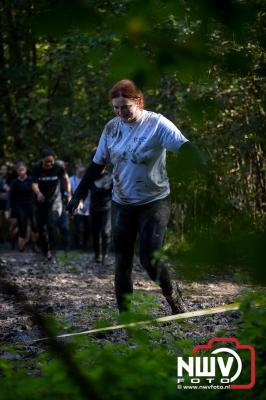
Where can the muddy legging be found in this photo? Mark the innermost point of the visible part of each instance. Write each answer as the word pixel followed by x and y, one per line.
pixel 150 222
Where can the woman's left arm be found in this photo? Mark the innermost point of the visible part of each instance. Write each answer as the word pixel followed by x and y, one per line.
pixel 193 157
pixel 189 157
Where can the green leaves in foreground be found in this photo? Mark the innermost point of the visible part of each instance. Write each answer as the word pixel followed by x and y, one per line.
pixel 140 367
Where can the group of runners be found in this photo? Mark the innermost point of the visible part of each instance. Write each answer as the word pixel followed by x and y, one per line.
pixel 35 202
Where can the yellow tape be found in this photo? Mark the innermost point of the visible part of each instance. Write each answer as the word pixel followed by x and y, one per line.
pixel 190 314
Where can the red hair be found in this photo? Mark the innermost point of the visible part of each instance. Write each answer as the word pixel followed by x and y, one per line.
pixel 127 88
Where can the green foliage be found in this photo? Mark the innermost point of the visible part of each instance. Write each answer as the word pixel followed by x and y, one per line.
pixel 253 331
pixel 216 249
pixel 137 368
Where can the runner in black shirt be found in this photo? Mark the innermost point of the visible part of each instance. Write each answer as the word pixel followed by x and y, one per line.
pixel 47 176
pixel 21 204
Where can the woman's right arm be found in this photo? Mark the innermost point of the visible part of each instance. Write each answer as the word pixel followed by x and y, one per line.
pixel 93 172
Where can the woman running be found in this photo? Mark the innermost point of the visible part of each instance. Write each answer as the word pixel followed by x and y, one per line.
pixel 135 142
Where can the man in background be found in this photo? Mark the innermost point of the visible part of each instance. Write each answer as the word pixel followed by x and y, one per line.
pixel 47 175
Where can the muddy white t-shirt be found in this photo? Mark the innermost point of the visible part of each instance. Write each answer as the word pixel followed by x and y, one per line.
pixel 137 151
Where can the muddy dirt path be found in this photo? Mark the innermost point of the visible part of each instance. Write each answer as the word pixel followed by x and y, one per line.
pixel 80 292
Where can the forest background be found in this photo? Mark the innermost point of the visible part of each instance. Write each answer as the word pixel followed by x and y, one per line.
pixel 201 64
